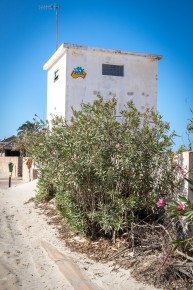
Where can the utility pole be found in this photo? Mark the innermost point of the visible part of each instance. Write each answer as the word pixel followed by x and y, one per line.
pixel 53 7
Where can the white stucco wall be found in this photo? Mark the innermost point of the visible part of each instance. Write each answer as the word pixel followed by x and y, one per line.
pixel 139 82
pixel 56 90
pixel 187 165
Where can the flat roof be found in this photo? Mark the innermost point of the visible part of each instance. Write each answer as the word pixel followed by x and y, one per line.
pixel 66 46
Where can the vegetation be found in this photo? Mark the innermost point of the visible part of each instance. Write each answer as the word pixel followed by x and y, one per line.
pixel 118 179
pixel 189 133
pixel 190 125
pixel 103 172
pixel 26 129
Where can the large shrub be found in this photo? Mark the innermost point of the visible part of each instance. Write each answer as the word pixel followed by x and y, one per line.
pixel 104 172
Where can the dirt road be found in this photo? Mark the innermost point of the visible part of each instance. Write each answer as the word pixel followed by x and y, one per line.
pixel 32 257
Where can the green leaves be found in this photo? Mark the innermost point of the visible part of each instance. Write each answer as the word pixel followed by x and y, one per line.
pixel 101 168
pixel 189 215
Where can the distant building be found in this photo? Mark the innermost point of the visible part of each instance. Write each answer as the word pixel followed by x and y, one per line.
pixel 8 147
pixel 78 74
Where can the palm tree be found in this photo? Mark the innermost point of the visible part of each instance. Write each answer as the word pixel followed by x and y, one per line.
pixel 27 127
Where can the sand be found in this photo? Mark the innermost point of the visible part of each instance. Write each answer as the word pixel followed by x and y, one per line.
pixel 33 257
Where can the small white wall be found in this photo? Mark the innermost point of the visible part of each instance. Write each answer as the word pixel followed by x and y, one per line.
pixel 187 164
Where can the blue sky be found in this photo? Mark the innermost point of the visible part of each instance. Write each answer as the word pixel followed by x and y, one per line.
pixel 27 41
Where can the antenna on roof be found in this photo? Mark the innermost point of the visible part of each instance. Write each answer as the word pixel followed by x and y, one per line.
pixel 51 7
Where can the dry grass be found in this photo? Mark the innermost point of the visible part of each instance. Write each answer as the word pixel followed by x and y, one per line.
pixel 147 251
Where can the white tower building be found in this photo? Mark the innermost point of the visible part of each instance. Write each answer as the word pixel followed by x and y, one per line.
pixel 78 74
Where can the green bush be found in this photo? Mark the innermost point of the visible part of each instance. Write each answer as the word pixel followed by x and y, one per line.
pixel 104 172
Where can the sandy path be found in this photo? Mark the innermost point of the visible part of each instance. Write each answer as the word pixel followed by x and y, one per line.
pixel 32 257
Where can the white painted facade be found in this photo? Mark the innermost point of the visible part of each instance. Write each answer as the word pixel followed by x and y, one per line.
pixel 138 83
pixel 187 165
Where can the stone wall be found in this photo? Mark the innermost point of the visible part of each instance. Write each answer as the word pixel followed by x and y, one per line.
pixel 29 174
pixel 17 166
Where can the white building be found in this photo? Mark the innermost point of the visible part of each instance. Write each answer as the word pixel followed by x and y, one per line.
pixel 78 74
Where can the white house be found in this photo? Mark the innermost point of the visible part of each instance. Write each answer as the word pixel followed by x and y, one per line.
pixel 78 74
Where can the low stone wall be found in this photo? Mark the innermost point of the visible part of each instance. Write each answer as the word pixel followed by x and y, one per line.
pixel 17 166
pixel 29 174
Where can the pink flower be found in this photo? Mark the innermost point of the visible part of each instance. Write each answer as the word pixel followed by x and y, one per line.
pixel 53 153
pixel 181 206
pixel 178 166
pixel 74 157
pixel 118 145
pixel 161 203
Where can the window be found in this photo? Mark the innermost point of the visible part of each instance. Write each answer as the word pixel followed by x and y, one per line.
pixel 112 70
pixel 56 75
